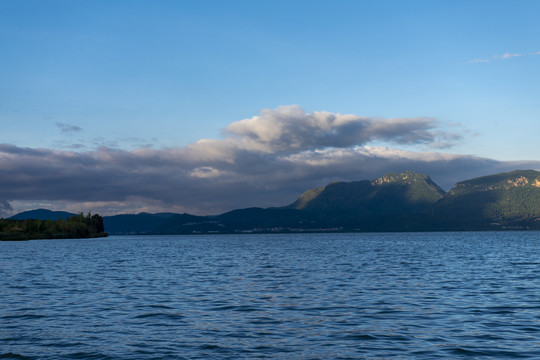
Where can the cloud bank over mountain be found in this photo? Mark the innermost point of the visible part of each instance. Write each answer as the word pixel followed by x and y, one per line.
pixel 266 160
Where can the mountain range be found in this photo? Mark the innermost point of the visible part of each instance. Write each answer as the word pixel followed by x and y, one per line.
pixel 406 201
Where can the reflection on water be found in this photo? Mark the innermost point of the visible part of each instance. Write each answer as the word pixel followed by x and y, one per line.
pixel 323 296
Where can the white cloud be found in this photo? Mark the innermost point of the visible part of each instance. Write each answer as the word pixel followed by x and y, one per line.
pixel 503 56
pixel 290 129
pixel 508 55
pixel 205 172
pixel 478 61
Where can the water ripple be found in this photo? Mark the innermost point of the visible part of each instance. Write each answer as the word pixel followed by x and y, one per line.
pixel 328 296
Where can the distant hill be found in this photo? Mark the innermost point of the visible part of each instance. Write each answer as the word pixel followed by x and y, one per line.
pixel 142 223
pixel 42 214
pixel 271 219
pixel 185 224
pixel 505 199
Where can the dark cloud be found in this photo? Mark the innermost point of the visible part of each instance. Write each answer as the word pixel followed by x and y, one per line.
pixel 171 180
pixel 5 208
pixel 68 128
pixel 254 166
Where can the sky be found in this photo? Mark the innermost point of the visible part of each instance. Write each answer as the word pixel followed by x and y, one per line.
pixel 207 106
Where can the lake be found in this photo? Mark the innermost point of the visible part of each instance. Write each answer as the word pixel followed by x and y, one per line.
pixel 303 296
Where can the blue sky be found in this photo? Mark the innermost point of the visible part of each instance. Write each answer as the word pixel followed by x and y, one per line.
pixel 84 78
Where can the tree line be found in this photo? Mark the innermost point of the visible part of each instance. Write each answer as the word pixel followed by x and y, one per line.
pixel 78 226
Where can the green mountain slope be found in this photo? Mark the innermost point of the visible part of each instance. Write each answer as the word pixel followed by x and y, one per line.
pixel 505 199
pixel 391 194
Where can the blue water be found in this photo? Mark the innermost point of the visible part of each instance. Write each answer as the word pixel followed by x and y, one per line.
pixel 322 296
